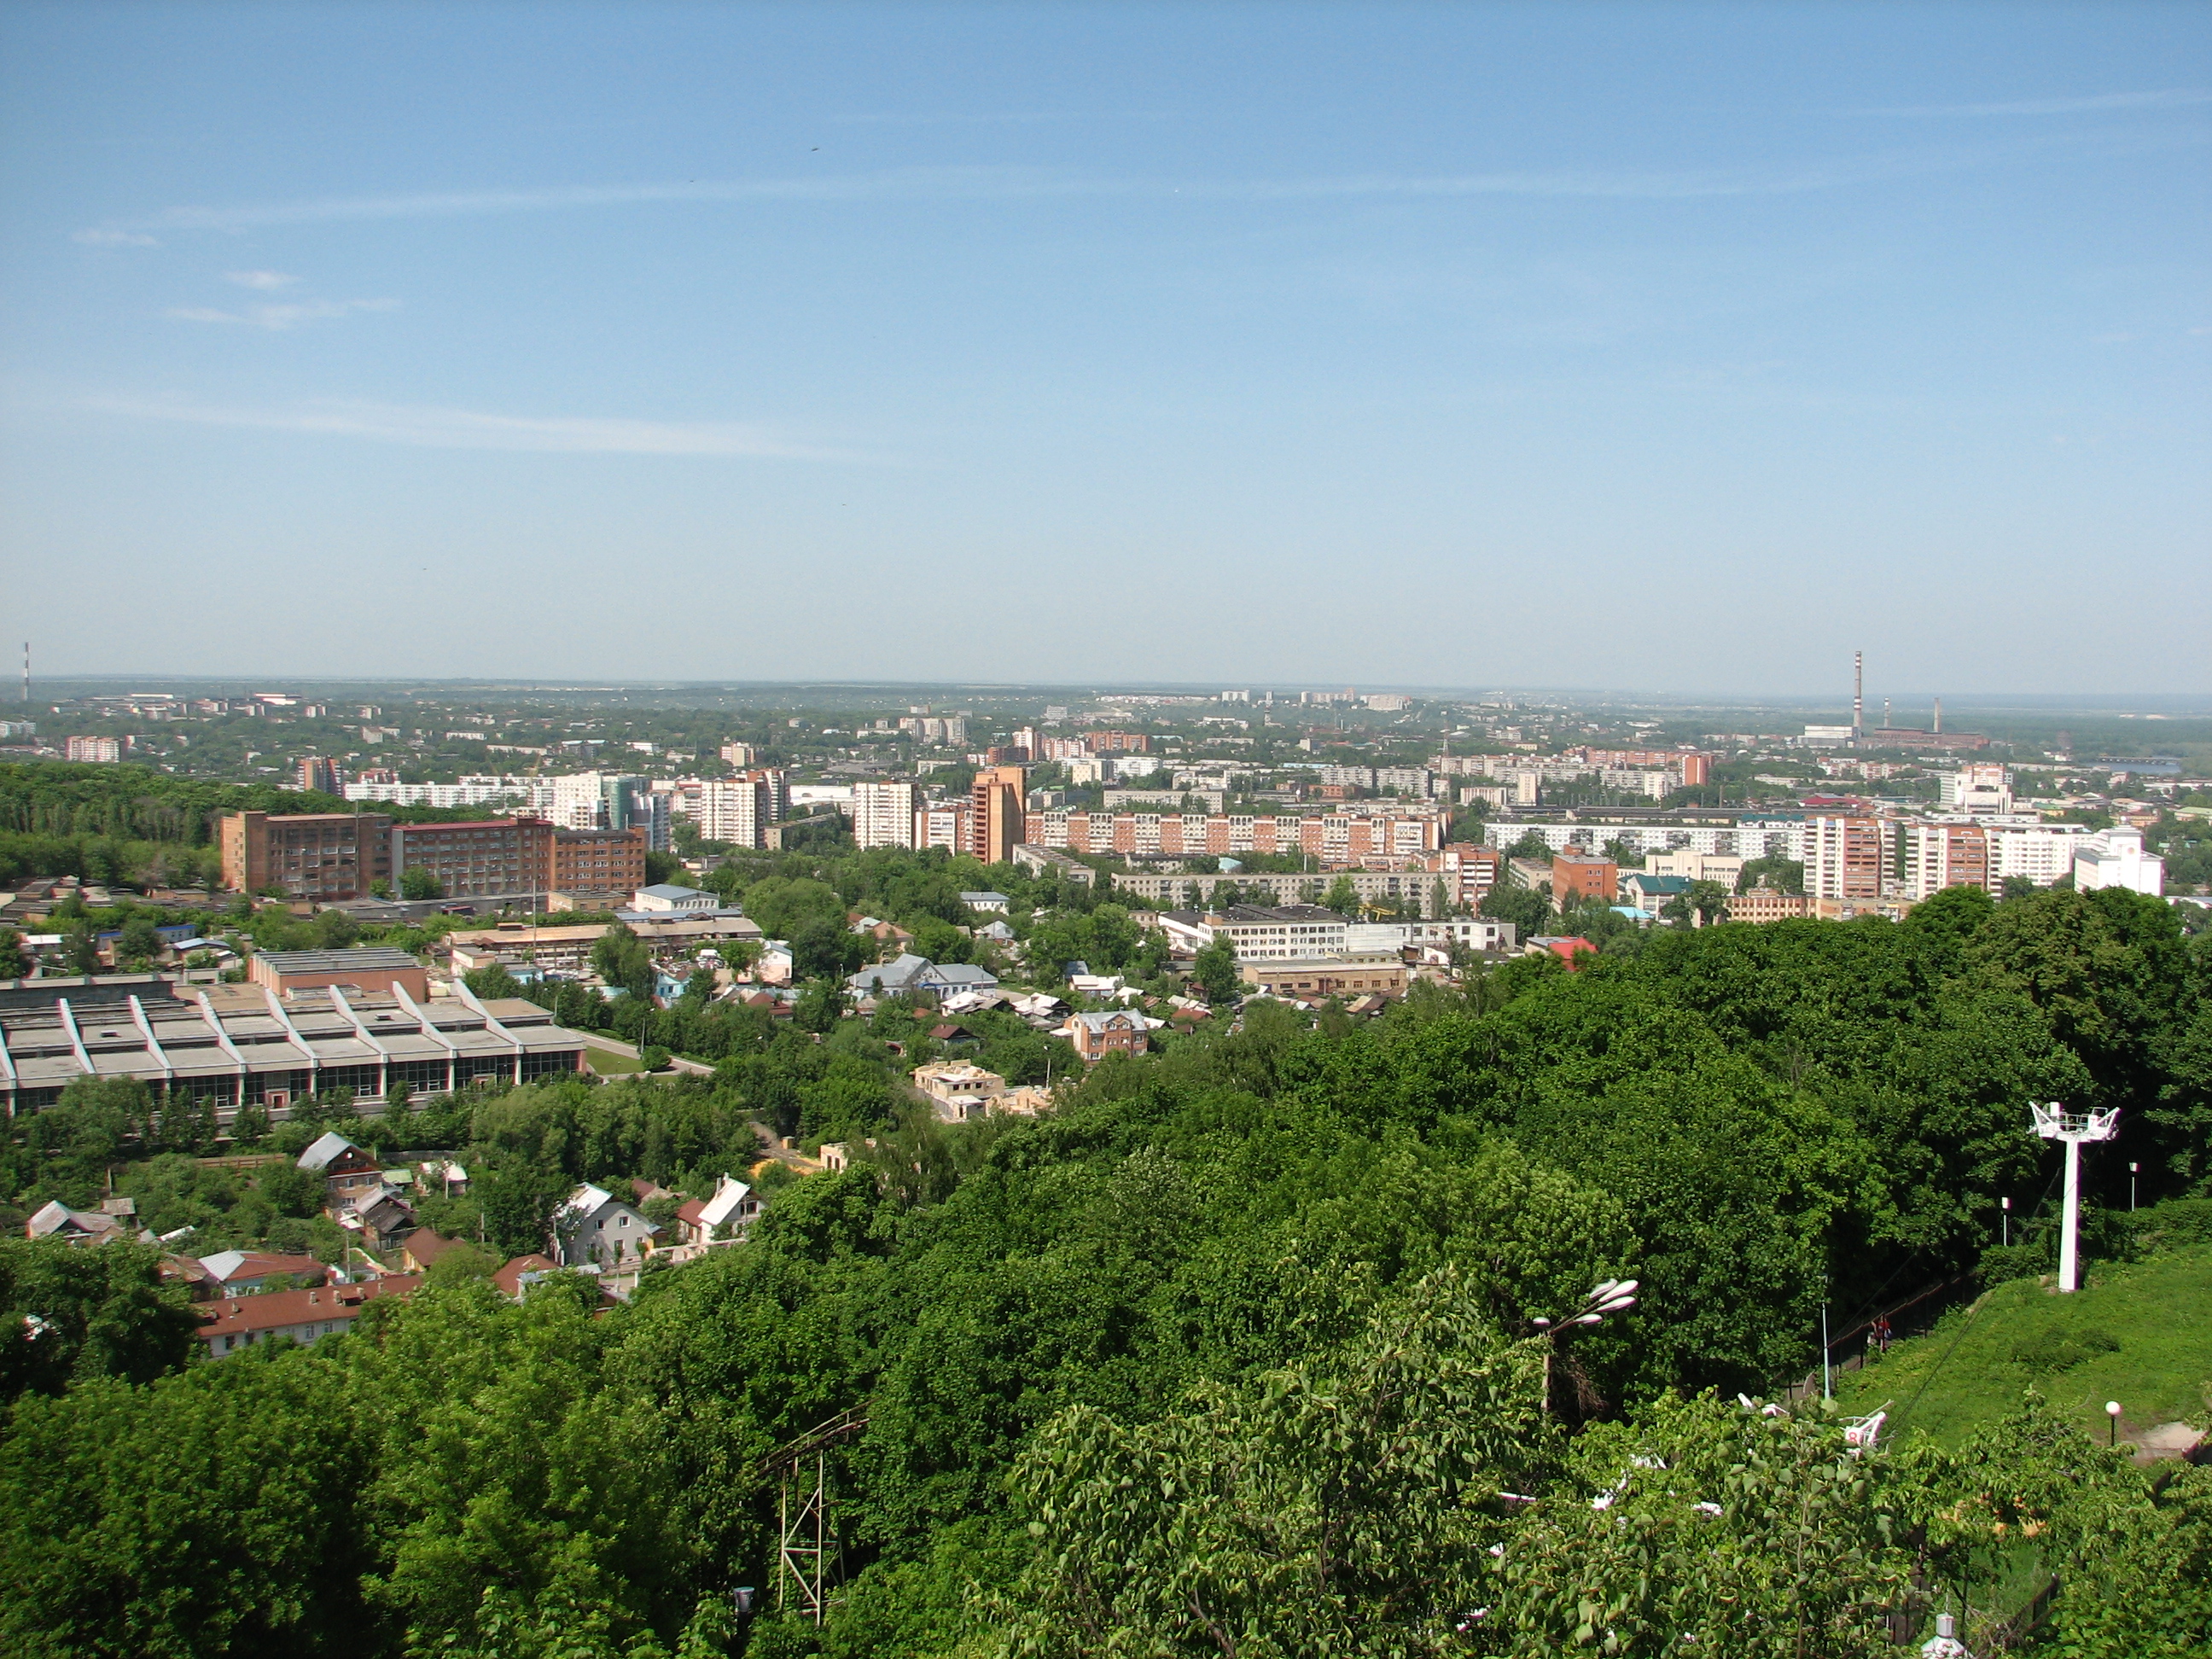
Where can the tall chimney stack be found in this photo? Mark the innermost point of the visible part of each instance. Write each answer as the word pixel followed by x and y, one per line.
pixel 1939 715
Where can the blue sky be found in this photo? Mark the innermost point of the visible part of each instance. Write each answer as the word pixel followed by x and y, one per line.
pixel 1637 347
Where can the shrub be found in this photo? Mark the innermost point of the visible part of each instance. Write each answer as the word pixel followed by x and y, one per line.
pixel 2055 1350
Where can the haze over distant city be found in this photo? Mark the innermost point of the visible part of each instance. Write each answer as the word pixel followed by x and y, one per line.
pixel 1670 348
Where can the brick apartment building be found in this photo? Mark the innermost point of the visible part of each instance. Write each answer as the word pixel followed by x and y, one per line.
pixel 599 861
pixel 474 861
pixel 1577 875
pixel 322 856
pixel 328 857
pixel 996 804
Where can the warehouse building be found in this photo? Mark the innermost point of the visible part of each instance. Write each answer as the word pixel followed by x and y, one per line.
pixel 241 1045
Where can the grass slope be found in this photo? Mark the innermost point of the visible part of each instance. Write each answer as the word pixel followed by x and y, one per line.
pixel 1967 1371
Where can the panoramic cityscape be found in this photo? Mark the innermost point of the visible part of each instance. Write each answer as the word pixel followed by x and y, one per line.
pixel 1422 867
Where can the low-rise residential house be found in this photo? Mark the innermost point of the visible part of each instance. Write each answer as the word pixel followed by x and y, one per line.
pixel 382 1218
pixel 728 1216
pixel 346 1169
pixel 1103 987
pixel 1123 1031
pixel 959 1091
pixel 307 1316
pixel 890 939
pixel 56 1220
pixel 997 932
pixel 908 974
pixel 1569 948
pixel 594 1227
pixel 248 1272
pixel 516 1278
pixel 994 904
pixel 421 1248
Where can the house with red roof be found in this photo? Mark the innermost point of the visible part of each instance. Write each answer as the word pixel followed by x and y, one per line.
pixel 308 1315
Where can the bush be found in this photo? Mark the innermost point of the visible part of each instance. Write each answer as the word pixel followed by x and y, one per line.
pixel 654 1057
pixel 2055 1350
pixel 2177 1221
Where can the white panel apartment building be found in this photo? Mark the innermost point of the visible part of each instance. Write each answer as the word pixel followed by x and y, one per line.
pixel 739 810
pixel 883 814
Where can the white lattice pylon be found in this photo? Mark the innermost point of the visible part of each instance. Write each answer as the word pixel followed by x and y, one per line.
pixel 2054 1122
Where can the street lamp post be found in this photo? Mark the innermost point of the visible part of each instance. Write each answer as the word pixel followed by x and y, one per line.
pixel 1613 1295
pixel 2132 1168
pixel 2111 1423
pixel 2004 1220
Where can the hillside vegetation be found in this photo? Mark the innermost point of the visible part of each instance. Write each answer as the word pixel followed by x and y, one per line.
pixel 1237 1352
pixel 2137 1332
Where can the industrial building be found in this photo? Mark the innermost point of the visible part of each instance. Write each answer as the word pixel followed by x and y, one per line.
pixel 240 1045
pixel 326 857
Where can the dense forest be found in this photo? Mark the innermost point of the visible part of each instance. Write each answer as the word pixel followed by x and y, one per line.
pixel 1235 1353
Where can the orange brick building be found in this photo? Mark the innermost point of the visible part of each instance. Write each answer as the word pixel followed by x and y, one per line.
pixel 1576 875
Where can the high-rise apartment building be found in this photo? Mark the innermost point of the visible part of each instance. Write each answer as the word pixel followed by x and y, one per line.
pixel 320 775
pixel 1846 858
pixel 942 824
pixel 329 856
pixel 738 754
pixel 739 810
pixel 883 814
pixel 996 803
pixel 1934 856
pixel 92 749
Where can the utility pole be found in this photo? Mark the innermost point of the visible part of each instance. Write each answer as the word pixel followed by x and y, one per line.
pixel 2053 1122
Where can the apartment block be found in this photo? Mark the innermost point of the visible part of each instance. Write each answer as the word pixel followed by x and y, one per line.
pixel 996 813
pixel 1934 856
pixel 599 861
pixel 1334 839
pixel 942 824
pixel 325 856
pixel 883 814
pixel 1846 858
pixel 739 810
pixel 320 775
pixel 1579 876
pixel 92 749
pixel 477 861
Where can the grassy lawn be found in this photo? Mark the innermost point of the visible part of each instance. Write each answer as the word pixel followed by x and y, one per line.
pixel 611 1064
pixel 2157 1311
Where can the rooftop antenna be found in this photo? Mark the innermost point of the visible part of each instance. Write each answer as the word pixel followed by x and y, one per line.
pixel 2054 1122
pixel 1858 699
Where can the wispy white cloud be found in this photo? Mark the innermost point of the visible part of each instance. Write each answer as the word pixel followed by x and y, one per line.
pixel 982 183
pixel 281 316
pixel 1015 184
pixel 260 279
pixel 462 428
pixel 111 236
pixel 2169 97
